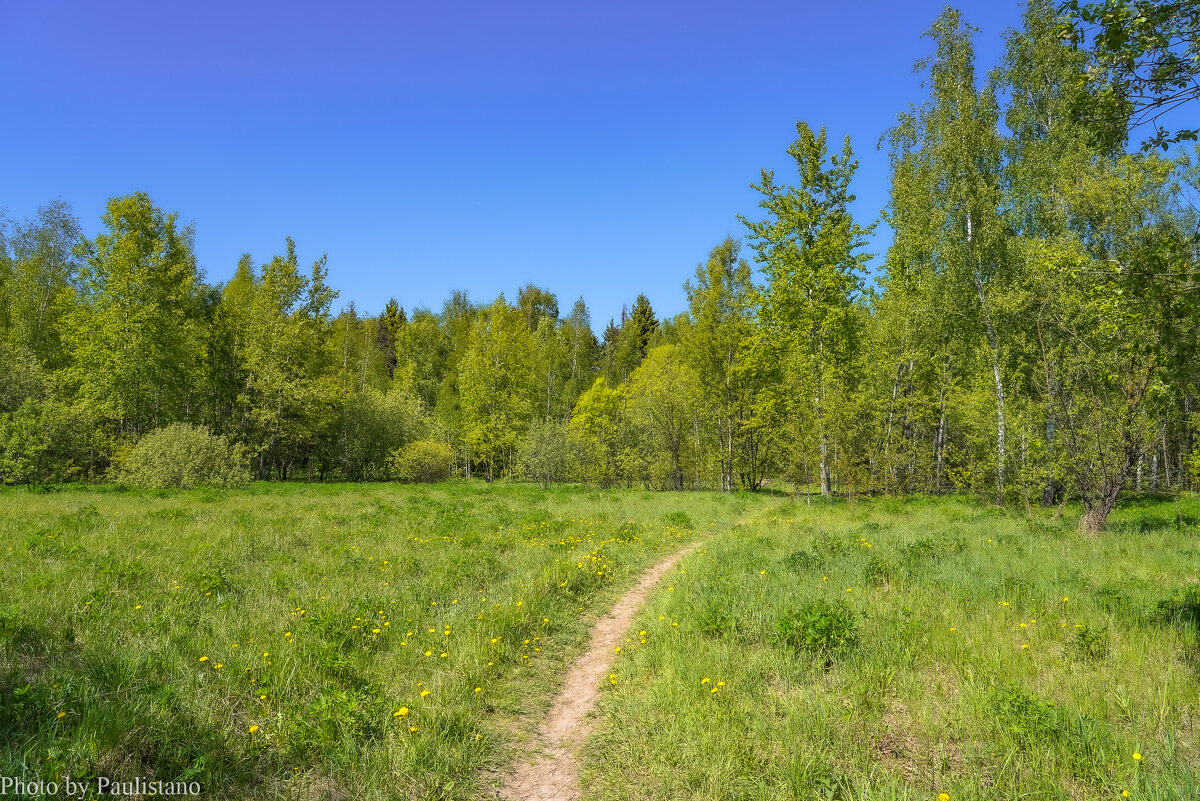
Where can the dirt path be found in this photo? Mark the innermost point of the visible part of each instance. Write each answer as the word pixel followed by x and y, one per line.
pixel 553 775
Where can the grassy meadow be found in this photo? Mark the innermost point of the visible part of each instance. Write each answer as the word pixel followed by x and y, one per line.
pixel 307 641
pixel 906 650
pixel 384 641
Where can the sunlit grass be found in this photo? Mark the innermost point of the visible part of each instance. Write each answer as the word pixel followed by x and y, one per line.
pixel 366 641
pixel 890 650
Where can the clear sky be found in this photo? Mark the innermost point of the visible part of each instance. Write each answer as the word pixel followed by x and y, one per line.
pixel 595 148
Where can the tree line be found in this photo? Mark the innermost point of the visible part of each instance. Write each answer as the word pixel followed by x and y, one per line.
pixel 1029 338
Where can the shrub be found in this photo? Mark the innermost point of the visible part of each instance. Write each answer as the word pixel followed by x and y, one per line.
pixel 550 452
pixel 425 460
pixel 184 456
pixel 819 628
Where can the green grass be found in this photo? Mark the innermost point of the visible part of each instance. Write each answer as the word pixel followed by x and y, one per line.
pixel 864 651
pixel 893 650
pixel 261 642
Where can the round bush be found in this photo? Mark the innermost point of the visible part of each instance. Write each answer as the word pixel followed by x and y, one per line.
pixel 184 456
pixel 424 460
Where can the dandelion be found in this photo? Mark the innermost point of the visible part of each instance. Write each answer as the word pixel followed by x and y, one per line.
pixel 401 712
pixel 478 689
pixel 946 796
pixel 139 606
pixel 374 631
pixel 413 728
pixel 1137 756
pixel 253 729
pixel 204 659
pixel 1024 647
pixel 62 715
pixel 1125 793
pixel 704 680
pixel 424 693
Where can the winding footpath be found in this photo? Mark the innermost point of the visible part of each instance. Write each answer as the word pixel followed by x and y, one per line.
pixel 553 775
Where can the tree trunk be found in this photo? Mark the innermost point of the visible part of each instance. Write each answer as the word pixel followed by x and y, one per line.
pixel 825 482
pixel 999 381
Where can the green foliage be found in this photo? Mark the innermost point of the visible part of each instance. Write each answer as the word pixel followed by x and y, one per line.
pixel 1025 715
pixel 819 628
pixel 1091 642
pixel 549 452
pixel 134 337
pixel 495 382
pixel 422 461
pixel 23 445
pixel 183 456
pixel 1145 61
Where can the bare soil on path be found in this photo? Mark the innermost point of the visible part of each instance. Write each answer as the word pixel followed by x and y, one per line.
pixel 553 774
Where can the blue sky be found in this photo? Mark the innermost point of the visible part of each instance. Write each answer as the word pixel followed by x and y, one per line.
pixel 597 149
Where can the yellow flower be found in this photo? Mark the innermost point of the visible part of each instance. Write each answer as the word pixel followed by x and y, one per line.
pixel 704 680
pixel 946 796
pixel 424 693
pixel 62 714
pixel 374 631
pixel 1124 793
pixel 478 689
pixel 401 712
pixel 1137 756
pixel 1024 647
pixel 204 659
pixel 253 729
